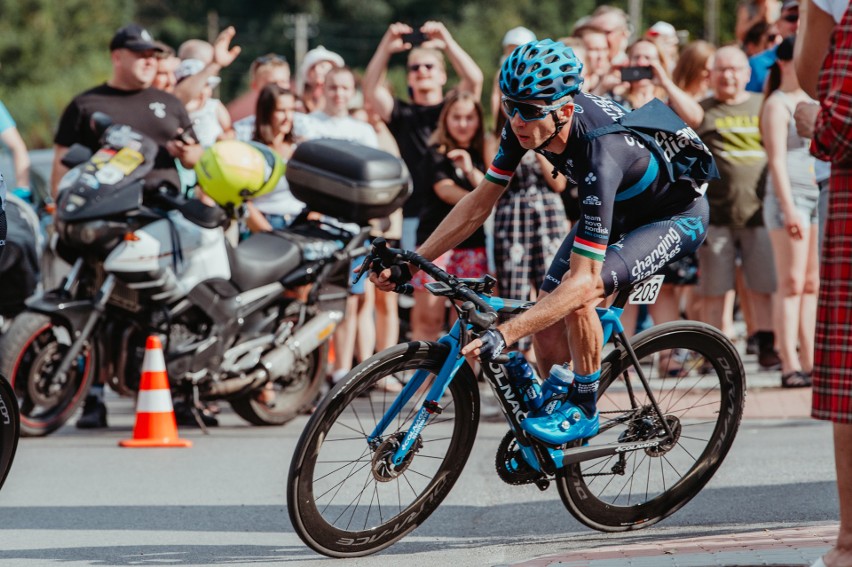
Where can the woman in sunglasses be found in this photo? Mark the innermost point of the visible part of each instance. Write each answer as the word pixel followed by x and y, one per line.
pixel 633 221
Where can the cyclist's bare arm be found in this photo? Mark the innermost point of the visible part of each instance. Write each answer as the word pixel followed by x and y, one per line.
pixel 582 286
pixel 465 217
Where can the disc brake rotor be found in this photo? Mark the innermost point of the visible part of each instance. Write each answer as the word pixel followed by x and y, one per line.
pixel 383 468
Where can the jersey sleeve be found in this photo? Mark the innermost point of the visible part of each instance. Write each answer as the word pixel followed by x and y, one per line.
pixel 509 155
pixel 598 181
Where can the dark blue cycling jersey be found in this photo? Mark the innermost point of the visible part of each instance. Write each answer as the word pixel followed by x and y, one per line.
pixel 619 181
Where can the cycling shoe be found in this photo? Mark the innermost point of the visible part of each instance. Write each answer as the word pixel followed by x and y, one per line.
pixel 567 423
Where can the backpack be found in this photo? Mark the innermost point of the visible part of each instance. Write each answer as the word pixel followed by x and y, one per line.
pixel 675 145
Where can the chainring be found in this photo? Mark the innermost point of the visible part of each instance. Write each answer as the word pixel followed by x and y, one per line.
pixel 521 472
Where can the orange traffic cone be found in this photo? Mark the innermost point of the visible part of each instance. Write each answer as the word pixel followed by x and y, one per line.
pixel 156 425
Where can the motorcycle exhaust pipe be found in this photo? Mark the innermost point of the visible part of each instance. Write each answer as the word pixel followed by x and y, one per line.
pixel 232 386
pixel 304 341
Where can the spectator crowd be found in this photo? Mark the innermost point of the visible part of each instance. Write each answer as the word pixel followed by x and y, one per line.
pixel 761 253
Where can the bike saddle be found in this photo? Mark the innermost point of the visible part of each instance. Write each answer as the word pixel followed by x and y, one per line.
pixel 263 258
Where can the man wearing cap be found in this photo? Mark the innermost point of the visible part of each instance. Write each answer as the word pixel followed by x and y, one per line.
pixel 127 98
pixel 787 24
pixel 412 123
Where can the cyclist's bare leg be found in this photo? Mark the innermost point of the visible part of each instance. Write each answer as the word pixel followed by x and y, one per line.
pixel 585 337
pixel 551 346
pixel 578 337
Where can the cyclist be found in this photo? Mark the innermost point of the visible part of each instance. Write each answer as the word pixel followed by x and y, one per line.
pixel 634 220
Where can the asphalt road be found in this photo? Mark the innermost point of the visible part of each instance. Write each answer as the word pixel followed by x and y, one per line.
pixel 76 498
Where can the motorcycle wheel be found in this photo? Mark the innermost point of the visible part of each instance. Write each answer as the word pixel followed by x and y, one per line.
pixel 282 400
pixel 30 351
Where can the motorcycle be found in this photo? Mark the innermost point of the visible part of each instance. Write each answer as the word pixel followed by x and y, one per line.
pixel 248 324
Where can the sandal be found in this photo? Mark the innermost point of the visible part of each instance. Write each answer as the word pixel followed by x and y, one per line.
pixel 795 379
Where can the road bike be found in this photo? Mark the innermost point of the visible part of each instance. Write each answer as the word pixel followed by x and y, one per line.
pixel 371 466
pixel 10 428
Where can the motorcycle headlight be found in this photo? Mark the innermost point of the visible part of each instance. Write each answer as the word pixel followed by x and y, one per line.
pixel 96 232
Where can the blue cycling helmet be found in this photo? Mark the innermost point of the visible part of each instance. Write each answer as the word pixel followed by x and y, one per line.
pixel 541 70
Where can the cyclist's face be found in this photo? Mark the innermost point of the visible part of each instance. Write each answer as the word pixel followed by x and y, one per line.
pixel 532 134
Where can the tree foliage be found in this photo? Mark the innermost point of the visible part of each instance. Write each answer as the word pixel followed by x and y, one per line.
pixel 51 50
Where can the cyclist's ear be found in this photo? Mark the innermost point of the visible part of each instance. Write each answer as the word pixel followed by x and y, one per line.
pixel 567 111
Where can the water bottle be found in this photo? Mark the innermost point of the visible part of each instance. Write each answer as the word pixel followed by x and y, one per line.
pixel 524 382
pixel 556 387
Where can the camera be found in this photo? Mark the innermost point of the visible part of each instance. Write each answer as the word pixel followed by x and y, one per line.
pixel 632 74
pixel 415 38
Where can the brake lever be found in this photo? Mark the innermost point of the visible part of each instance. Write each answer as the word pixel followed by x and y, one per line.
pixel 363 269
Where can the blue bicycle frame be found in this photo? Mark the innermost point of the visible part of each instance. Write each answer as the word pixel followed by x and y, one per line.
pixel 534 453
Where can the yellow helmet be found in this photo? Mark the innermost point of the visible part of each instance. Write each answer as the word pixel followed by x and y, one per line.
pixel 231 172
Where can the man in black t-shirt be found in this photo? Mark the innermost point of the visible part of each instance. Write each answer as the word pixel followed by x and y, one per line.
pixel 412 123
pixel 127 98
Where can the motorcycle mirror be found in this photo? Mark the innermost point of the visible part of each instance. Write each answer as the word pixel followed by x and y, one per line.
pixel 99 122
pixel 76 155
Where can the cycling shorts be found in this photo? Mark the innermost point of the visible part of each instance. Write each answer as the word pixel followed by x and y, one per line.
pixel 642 251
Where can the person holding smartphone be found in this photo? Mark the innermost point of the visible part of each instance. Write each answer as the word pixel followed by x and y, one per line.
pixel 412 122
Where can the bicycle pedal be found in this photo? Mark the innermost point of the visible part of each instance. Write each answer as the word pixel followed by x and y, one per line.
pixel 542 484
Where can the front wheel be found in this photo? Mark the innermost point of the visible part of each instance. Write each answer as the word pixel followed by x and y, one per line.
pixel 698 381
pixel 30 352
pixel 344 496
pixel 10 428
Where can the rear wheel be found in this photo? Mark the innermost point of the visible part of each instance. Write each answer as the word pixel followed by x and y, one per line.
pixel 30 352
pixel 345 497
pixel 698 381
pixel 10 428
pixel 282 400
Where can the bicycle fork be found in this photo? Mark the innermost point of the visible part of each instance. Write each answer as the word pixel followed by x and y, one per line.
pixel 429 408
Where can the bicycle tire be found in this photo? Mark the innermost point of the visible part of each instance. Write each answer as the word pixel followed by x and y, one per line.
pixel 702 398
pixel 343 525
pixel 10 428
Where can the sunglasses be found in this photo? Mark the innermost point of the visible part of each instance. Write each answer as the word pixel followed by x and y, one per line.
pixel 529 112
pixel 792 18
pixel 414 67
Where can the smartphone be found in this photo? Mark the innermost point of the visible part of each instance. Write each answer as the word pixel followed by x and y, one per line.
pixel 632 74
pixel 415 38
pixel 187 136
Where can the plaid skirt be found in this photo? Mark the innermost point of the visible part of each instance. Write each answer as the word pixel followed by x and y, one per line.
pixel 832 389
